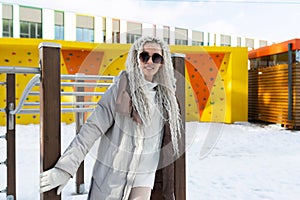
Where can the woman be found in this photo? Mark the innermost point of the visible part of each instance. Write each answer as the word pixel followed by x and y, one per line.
pixel 139 124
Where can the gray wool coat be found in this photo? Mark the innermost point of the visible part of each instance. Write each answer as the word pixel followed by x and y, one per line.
pixel 118 152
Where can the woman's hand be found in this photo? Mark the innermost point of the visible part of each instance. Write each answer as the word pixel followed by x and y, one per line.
pixel 52 178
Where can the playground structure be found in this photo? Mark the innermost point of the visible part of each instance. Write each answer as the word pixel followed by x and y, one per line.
pixel 50 115
pixel 274 84
pixel 209 85
pixel 216 81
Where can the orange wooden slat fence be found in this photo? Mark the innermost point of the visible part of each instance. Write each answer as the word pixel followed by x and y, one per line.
pixel 274 84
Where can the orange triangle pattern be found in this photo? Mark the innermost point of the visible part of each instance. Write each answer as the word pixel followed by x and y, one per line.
pixel 81 61
pixel 86 62
pixel 203 69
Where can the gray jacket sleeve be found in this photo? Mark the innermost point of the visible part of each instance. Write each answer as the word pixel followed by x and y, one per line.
pixel 96 125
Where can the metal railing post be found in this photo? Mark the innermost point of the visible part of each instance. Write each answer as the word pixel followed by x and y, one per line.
pixel 80 187
pixel 50 110
pixel 290 81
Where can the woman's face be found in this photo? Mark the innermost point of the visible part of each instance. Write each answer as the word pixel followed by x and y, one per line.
pixel 150 60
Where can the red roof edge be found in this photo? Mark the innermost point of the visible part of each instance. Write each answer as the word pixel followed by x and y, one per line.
pixel 274 49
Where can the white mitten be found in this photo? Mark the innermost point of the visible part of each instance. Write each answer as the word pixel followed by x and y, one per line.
pixel 52 178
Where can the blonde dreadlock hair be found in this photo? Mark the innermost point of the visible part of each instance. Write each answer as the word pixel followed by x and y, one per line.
pixel 165 97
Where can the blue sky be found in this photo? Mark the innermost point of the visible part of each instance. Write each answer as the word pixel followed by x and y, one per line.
pixel 272 20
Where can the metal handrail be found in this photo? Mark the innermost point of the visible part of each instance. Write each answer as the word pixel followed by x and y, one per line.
pixel 85 84
pixel 64 103
pixel 63 110
pixel 27 90
pixel 86 77
pixel 37 70
pixel 19 70
pixel 82 84
pixel 73 93
pixel 36 80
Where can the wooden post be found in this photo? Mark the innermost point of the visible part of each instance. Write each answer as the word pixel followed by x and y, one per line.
pixel 180 172
pixel 80 187
pixel 11 136
pixel 50 110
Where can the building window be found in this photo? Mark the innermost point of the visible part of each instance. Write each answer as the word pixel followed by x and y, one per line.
pixel 181 42
pixel 59 25
pixel 7 28
pixel 225 40
pixel 181 36
pixel 84 28
pixel 239 41
pixel 30 30
pixel 208 39
pixel 7 20
pixel 116 31
pixel 197 38
pixel 59 32
pixel 197 43
pixel 84 35
pixel 104 29
pixel 134 31
pixel 132 37
pixel 167 34
pixel 154 30
pixel 263 43
pixel 30 22
pixel 249 43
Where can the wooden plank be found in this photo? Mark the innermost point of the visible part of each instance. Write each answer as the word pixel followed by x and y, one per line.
pixel 50 110
pixel 11 136
pixel 180 166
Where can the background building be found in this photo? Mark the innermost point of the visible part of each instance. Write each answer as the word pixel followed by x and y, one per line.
pixel 21 21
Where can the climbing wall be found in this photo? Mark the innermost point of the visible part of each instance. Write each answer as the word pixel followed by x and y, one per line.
pixel 76 57
pixel 216 77
pixel 216 83
pixel 19 55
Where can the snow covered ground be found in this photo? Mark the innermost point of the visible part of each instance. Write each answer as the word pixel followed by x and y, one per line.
pixel 241 161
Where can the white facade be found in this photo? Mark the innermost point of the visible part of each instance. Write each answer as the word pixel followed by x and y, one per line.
pixel 148 29
pixel 109 30
pixel 16 21
pixel 123 30
pixel 190 37
pixel 70 26
pixel 172 35
pixel 159 31
pixel 98 30
pixel 48 23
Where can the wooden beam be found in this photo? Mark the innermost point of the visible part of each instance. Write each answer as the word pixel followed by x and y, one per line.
pixel 50 125
pixel 11 136
pixel 180 166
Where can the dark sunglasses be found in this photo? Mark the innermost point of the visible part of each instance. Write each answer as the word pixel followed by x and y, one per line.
pixel 156 58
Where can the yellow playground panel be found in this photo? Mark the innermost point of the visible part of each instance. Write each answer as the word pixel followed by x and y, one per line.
pixel 216 77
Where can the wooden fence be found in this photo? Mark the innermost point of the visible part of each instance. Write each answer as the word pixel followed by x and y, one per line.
pixel 274 85
pixel 269 95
